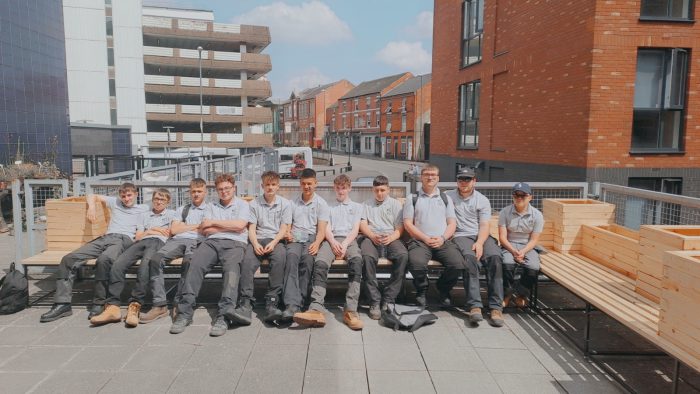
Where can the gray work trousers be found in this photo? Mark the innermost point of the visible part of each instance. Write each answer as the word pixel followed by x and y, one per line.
pixel 174 248
pixel 492 261
pixel 320 275
pixel 143 250
pixel 397 253
pixel 528 277
pixel 297 274
pixel 419 254
pixel 277 259
pixel 230 255
pixel 106 249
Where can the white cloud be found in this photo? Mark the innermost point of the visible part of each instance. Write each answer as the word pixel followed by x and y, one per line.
pixel 311 23
pixel 422 26
pixel 406 56
pixel 307 79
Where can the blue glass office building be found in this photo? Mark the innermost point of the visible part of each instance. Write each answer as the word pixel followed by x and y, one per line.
pixel 33 87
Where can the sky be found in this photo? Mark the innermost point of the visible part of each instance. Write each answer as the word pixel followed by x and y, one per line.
pixel 320 41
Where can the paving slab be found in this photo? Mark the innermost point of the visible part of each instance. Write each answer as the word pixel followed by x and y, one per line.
pixel 528 383
pixel 159 358
pixel 23 335
pixel 457 382
pixel 101 358
pixel 449 358
pixel 514 361
pixel 336 357
pixel 335 381
pixel 266 357
pixel 21 382
pixel 589 383
pixel 208 357
pixel 74 382
pixel 139 382
pixel 270 380
pixel 394 357
pixel 209 381
pixel 41 358
pixel 400 382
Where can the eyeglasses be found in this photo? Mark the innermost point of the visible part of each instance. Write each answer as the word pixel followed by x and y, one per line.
pixel 520 195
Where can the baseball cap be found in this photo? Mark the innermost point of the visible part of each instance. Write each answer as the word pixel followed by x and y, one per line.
pixel 466 172
pixel 522 187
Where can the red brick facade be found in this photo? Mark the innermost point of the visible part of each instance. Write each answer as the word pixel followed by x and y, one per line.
pixel 557 91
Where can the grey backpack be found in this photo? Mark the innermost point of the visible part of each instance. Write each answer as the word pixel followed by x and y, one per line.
pixel 406 317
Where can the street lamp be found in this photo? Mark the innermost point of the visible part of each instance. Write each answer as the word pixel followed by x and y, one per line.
pixel 201 108
pixel 167 130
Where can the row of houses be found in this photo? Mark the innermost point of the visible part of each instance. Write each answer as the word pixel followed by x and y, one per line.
pixel 388 117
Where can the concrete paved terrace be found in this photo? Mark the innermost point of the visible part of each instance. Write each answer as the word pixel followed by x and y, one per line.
pixel 525 356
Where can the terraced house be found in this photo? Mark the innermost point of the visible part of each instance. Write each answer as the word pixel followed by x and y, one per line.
pixel 568 91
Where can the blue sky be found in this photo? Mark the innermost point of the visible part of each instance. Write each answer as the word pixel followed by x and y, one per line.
pixel 320 41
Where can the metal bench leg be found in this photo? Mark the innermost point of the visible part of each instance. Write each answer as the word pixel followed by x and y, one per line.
pixel 587 331
pixel 676 377
pixel 533 301
pixel 26 276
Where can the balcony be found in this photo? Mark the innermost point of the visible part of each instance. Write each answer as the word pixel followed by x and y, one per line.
pixel 256 37
pixel 212 114
pixel 165 84
pixel 177 140
pixel 256 64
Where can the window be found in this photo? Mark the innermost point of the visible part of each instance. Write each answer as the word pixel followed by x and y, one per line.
pixel 468 133
pixel 345 124
pixel 368 143
pixel 113 116
pixel 388 123
pixel 403 146
pixel 343 106
pixel 369 119
pixel 472 29
pixel 376 118
pixel 356 123
pixel 109 26
pixel 403 121
pixel 388 145
pixel 357 104
pixel 388 108
pixel 376 101
pixel 403 103
pixel 659 100
pixel 368 101
pixel 666 9
pixel 112 88
pixel 110 56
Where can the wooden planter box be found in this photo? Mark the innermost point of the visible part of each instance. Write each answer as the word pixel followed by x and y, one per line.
pixel 680 295
pixel 567 216
pixel 653 242
pixel 67 228
pixel 613 246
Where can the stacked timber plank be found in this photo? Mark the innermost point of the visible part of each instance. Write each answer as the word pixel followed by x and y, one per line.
pixel 653 242
pixel 67 226
pixel 613 246
pixel 568 215
pixel 680 324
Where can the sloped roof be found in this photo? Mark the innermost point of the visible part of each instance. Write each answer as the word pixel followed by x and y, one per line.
pixel 312 92
pixel 373 86
pixel 410 85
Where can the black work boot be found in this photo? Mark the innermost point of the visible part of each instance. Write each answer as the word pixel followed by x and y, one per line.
pixel 243 315
pixel 56 312
pixel 288 313
pixel 272 313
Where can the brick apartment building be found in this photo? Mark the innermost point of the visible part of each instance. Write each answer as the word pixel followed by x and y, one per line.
pixel 303 112
pixel 404 114
pixel 357 117
pixel 568 91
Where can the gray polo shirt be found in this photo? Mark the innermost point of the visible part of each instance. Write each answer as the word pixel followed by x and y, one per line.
pixel 305 216
pixel 520 226
pixel 430 214
pixel 151 219
pixel 238 209
pixel 268 218
pixel 470 212
pixel 344 216
pixel 382 217
pixel 194 216
pixel 125 220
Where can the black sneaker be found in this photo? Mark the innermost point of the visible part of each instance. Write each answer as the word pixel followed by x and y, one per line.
pixel 181 322
pixel 445 300
pixel 56 312
pixel 243 315
pixel 219 327
pixel 288 314
pixel 95 310
pixel 420 299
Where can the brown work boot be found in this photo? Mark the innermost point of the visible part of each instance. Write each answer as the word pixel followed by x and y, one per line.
pixel 506 300
pixel 154 314
pixel 521 301
pixel 496 318
pixel 111 314
pixel 475 315
pixel 352 320
pixel 132 314
pixel 311 318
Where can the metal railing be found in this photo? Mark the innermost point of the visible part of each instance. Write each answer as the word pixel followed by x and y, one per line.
pixel 635 207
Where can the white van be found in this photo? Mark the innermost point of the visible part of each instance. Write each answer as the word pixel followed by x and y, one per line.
pixel 285 157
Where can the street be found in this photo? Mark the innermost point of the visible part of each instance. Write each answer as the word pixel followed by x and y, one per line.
pixel 363 166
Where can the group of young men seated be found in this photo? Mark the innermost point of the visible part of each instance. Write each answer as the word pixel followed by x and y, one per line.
pixel 301 238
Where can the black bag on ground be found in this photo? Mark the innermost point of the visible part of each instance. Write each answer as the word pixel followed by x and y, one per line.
pixel 406 317
pixel 14 292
